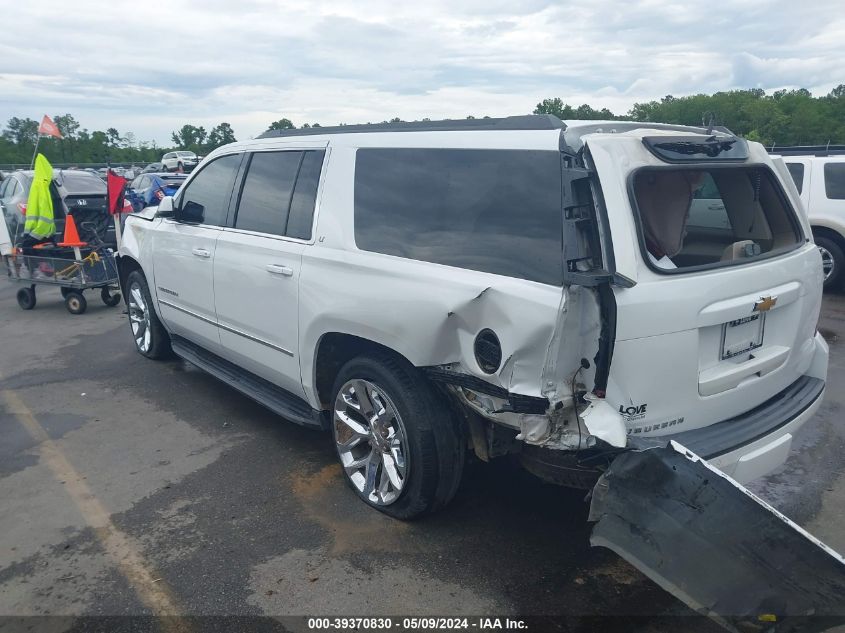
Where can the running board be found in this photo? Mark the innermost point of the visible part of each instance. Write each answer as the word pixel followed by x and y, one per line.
pixel 264 392
pixel 714 545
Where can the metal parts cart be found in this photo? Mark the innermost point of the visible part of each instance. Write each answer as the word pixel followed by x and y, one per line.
pixel 80 272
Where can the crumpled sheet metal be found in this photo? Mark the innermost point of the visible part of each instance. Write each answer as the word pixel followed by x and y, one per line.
pixel 714 545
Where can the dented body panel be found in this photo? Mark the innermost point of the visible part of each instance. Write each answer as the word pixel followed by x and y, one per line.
pixel 714 545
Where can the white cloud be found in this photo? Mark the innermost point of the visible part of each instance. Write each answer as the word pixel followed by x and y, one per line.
pixel 149 69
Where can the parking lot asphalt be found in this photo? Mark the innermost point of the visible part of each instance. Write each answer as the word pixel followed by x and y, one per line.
pixel 131 487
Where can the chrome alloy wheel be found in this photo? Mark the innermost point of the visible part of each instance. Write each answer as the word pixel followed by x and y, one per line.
pixel 139 317
pixel 827 262
pixel 371 441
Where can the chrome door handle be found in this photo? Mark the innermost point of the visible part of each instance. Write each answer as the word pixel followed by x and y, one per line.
pixel 278 269
pixel 200 252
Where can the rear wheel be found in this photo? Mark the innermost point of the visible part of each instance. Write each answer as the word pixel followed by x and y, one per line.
pixel 833 261
pixel 151 339
pixel 26 298
pixel 108 298
pixel 75 302
pixel 398 442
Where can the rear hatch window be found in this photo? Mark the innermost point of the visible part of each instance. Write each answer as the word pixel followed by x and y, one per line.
pixel 694 218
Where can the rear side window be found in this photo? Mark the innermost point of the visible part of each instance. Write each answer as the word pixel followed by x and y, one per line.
pixel 305 196
pixel 496 211
pixel 209 193
pixel 267 190
pixel 796 170
pixel 699 217
pixel 279 193
pixel 834 181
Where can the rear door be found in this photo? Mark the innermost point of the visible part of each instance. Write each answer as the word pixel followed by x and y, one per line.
pixel 717 330
pixel 258 263
pixel 184 255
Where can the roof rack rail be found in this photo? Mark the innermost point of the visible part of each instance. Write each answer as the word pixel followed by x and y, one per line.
pixel 522 122
pixel 807 150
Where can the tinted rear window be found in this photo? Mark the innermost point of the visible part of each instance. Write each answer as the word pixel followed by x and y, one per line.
pixel 834 181
pixel 80 182
pixel 496 211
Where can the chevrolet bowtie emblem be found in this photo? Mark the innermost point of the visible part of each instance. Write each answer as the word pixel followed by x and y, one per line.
pixel 765 304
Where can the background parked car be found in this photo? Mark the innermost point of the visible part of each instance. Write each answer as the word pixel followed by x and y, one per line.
pixel 819 175
pixel 184 160
pixel 76 191
pixel 148 189
pixel 152 168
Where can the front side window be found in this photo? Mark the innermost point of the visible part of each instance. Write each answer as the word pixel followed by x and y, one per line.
pixel 700 217
pixel 206 199
pixel 496 211
pixel 834 181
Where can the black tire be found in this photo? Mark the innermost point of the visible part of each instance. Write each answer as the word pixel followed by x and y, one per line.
pixel 111 300
pixel 837 259
pixel 75 302
pixel 26 298
pixel 180 168
pixel 435 441
pixel 159 343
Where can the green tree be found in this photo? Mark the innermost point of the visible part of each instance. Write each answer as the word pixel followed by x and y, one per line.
pixel 189 137
pixel 220 135
pixel 281 124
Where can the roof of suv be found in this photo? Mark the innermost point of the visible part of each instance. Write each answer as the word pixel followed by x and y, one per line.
pixel 570 132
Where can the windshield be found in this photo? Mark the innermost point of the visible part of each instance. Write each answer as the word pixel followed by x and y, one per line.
pixel 187 154
pixel 704 217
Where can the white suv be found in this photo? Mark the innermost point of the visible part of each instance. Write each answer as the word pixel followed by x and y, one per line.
pixel 819 175
pixel 518 285
pixel 179 161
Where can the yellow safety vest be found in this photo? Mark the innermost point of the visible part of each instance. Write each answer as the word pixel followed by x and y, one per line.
pixel 40 222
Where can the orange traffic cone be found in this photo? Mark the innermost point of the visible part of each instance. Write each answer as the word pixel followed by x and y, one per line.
pixel 71 238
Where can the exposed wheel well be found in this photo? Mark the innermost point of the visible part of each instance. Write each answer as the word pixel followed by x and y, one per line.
pixel 334 351
pixel 835 236
pixel 126 265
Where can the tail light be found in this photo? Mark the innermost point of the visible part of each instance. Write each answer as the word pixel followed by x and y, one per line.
pixel 22 207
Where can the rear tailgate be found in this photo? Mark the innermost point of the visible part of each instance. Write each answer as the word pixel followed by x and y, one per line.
pixel 699 347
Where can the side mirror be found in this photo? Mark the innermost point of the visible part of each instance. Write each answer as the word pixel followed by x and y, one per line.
pixel 165 208
pixel 191 213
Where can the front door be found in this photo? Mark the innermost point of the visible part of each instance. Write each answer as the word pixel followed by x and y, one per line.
pixel 184 261
pixel 258 261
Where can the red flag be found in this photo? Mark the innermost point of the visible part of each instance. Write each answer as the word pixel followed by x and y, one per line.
pixel 48 128
pixel 116 188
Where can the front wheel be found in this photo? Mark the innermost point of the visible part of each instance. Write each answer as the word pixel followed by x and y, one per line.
pixel 26 298
pixel 399 443
pixel 833 261
pixel 151 339
pixel 75 302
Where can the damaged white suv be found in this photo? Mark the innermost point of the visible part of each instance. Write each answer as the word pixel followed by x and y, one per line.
pixel 521 286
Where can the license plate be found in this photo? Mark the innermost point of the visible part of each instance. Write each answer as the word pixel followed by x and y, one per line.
pixel 743 335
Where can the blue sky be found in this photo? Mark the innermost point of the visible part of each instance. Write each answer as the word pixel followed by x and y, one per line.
pixel 151 67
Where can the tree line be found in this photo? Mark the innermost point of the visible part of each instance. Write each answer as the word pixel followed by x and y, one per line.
pixel 784 117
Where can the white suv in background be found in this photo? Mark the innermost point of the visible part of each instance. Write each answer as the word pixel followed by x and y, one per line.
pixel 513 286
pixel 819 175
pixel 181 160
